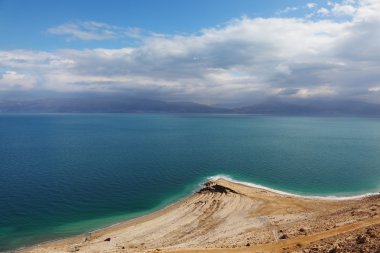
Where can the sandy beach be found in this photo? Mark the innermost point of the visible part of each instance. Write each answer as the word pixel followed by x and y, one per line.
pixel 227 216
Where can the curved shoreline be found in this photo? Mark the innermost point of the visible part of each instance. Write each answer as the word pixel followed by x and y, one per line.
pixel 125 222
pixel 249 195
pixel 318 197
pixel 162 206
pixel 199 186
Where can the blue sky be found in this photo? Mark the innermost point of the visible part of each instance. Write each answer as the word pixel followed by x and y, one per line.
pixel 206 51
pixel 25 24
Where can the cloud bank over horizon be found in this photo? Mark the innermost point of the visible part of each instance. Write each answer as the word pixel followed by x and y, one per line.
pixel 332 52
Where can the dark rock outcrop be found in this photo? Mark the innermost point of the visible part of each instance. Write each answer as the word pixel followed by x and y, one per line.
pixel 215 188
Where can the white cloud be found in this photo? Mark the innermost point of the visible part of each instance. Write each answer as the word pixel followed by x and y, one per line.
pixel 339 9
pixel 344 8
pixel 13 80
pixel 315 91
pixel 374 89
pixel 369 10
pixel 287 10
pixel 244 59
pixel 91 30
pixel 311 5
pixel 323 11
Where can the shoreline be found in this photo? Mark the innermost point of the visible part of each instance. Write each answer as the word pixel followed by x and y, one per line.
pixel 234 198
pixel 127 222
pixel 281 192
pixel 159 208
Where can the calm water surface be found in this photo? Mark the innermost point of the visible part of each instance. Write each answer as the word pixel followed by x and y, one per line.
pixel 65 174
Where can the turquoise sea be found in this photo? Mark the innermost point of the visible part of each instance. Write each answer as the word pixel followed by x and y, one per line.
pixel 64 174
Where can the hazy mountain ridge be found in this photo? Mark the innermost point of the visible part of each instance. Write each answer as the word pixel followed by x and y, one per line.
pixel 315 107
pixel 103 105
pixel 136 105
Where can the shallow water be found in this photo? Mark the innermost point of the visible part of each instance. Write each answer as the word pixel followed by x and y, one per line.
pixel 63 174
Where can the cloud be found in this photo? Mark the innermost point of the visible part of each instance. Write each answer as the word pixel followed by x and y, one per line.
pixel 14 80
pixel 245 60
pixel 323 11
pixel 92 30
pixel 287 10
pixel 311 5
pixel 374 89
pixel 305 92
pixel 343 9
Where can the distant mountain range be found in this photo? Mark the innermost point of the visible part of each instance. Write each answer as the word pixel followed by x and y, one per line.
pixel 103 105
pixel 314 107
pixel 137 105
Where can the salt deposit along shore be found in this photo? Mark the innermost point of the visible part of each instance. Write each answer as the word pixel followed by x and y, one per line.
pixel 226 216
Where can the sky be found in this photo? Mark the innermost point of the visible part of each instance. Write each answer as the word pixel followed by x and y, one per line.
pixel 206 51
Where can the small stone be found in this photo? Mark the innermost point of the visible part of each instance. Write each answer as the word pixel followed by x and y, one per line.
pixel 87 237
pixel 334 250
pixel 284 236
pixel 371 232
pixel 248 244
pixel 361 239
pixel 107 239
pixel 73 248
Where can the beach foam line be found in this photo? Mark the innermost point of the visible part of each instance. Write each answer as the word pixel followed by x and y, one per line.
pixel 330 197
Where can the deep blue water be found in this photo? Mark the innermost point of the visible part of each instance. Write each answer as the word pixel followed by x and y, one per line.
pixel 63 174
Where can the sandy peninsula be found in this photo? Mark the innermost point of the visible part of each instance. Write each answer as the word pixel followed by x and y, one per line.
pixel 226 216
